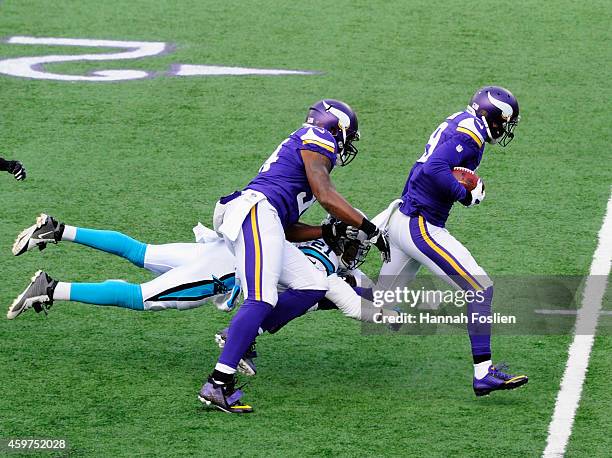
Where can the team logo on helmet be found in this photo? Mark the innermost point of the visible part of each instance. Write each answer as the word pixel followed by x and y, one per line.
pixel 344 122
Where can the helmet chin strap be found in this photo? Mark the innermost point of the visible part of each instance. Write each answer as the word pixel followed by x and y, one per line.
pixel 343 143
pixel 486 124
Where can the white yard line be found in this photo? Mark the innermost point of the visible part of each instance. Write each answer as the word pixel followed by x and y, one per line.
pixel 560 427
pixel 566 312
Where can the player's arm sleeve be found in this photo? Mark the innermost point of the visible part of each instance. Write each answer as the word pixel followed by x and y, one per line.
pixel 300 232
pixel 362 279
pixel 439 168
pixel 4 165
pixel 407 181
pixel 352 305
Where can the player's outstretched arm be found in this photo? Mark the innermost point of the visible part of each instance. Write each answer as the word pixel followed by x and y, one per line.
pixel 317 171
pixel 301 232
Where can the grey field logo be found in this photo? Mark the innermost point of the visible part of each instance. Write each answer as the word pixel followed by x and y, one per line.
pixel 521 305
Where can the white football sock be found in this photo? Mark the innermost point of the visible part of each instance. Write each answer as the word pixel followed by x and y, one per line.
pixel 481 369
pixel 225 369
pixel 62 292
pixel 69 233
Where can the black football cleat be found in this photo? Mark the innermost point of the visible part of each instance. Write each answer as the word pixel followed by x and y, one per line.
pixel 38 295
pixel 46 230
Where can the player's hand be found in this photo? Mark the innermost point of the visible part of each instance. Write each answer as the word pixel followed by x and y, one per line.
pixel 348 277
pixel 333 231
pixel 476 196
pixel 381 241
pixel 17 169
pixel 368 232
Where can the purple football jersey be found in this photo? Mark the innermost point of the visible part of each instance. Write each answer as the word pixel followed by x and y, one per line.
pixel 431 188
pixel 282 178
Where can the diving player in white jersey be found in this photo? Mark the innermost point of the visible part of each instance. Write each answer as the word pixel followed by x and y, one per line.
pixel 189 274
pixel 416 222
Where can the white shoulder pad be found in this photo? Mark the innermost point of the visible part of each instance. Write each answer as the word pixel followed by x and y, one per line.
pixel 318 138
pixel 470 125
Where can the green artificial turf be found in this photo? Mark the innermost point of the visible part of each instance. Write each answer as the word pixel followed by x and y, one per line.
pixel 151 157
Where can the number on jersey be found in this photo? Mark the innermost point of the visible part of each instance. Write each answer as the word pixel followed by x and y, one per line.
pixel 273 158
pixel 435 138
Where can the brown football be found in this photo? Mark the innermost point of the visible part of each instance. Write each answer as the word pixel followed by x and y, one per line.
pixel 466 177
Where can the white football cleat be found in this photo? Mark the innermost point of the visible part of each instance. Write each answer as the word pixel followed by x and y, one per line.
pixel 46 230
pixel 246 365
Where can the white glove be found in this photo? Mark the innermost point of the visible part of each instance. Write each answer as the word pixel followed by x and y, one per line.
pixel 228 301
pixel 476 196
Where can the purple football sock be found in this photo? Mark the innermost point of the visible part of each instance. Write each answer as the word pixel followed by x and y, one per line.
pixel 480 333
pixel 366 293
pixel 291 304
pixel 243 330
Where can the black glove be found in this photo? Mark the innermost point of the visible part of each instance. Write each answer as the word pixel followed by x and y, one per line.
pixel 368 231
pixel 17 169
pixel 333 231
pixel 348 277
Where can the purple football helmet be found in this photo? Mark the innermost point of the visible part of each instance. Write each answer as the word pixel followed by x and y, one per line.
pixel 499 111
pixel 341 121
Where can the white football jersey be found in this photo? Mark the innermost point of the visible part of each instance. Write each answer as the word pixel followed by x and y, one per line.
pixel 321 255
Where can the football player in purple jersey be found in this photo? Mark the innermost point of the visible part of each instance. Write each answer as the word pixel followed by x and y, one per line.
pixel 416 222
pixel 258 222
pixel 15 168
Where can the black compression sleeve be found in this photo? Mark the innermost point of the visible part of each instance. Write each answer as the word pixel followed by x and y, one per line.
pixel 368 227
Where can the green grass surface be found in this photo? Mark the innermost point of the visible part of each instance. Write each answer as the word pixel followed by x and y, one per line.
pixel 151 157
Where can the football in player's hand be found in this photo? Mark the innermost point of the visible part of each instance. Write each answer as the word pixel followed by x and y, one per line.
pixel 466 177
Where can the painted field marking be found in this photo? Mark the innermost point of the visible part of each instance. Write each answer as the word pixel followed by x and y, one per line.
pixel 568 398
pixel 33 67
pixel 566 312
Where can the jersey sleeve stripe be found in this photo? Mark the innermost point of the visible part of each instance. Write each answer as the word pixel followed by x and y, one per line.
pixel 471 134
pixel 322 145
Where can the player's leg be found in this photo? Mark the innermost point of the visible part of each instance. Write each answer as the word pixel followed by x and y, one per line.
pixel 162 258
pixel 156 258
pixel 259 258
pixel 49 230
pixel 210 276
pixel 446 257
pixel 303 286
pixel 44 290
pixel 205 278
pixel 181 288
pixel 400 271
pixel 306 285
